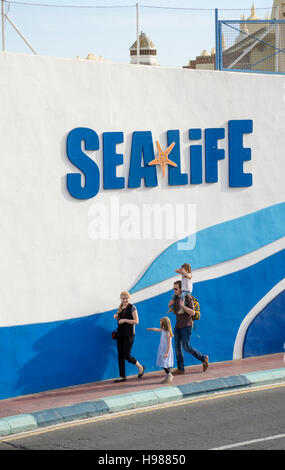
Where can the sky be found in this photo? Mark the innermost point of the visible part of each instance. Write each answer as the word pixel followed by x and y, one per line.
pixel 71 30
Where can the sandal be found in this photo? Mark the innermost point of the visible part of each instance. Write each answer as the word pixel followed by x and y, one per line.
pixel 141 374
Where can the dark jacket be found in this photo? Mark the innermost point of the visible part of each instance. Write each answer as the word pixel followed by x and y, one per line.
pixel 125 329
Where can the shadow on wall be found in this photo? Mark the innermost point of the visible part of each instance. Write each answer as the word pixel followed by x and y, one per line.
pixel 67 353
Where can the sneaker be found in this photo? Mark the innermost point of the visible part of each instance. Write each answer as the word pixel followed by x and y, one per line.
pixel 205 363
pixel 168 379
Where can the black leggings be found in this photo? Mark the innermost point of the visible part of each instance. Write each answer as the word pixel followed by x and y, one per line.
pixel 167 370
pixel 124 344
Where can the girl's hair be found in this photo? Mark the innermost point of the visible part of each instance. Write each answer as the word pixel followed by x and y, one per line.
pixel 165 324
pixel 120 308
pixel 187 267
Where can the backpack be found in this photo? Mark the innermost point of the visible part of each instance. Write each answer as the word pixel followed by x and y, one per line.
pixel 197 314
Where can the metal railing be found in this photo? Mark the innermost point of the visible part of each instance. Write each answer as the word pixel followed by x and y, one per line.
pixel 250 45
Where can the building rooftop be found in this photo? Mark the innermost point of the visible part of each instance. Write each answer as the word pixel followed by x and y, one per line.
pixel 145 42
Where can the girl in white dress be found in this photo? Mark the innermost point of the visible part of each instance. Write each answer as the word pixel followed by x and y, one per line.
pixel 165 351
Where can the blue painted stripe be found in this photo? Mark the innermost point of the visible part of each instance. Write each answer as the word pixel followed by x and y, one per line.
pixel 218 244
pixel 82 410
pixel 270 319
pixel 222 383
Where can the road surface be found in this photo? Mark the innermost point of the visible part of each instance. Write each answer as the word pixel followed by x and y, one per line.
pixel 243 419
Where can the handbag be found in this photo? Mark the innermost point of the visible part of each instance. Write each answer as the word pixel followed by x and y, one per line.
pixel 115 334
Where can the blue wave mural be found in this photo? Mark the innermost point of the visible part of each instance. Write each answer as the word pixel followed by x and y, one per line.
pixel 51 355
pixel 218 244
pixel 267 330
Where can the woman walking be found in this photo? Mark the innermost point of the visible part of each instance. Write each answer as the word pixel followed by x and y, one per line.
pixel 127 317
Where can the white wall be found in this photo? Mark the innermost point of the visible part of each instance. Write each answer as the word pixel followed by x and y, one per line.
pixel 50 268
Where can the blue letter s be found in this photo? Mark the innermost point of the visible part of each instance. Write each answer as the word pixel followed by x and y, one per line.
pixel 83 163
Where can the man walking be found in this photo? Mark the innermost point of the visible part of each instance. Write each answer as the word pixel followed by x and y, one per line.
pixel 183 328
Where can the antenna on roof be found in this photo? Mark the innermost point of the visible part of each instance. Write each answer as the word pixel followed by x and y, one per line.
pixel 5 16
pixel 138 34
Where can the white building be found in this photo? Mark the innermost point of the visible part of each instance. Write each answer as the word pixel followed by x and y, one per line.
pixel 147 52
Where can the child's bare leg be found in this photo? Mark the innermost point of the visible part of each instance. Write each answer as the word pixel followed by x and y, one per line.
pixel 170 306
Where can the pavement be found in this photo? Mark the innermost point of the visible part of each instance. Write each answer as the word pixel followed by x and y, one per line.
pixel 31 412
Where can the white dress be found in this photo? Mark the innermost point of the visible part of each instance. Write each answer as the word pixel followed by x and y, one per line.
pixel 160 360
pixel 187 284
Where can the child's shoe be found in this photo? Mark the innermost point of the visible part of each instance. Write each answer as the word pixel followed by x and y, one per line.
pixel 168 379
